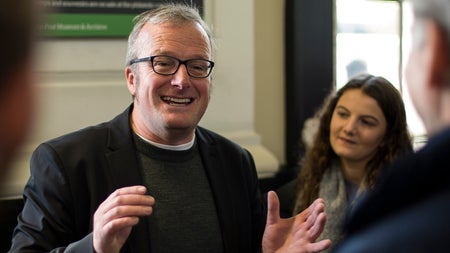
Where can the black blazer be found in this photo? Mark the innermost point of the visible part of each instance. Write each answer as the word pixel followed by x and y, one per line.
pixel 71 175
pixel 408 211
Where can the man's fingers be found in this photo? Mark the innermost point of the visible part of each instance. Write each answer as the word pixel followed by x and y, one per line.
pixel 127 211
pixel 132 195
pixel 318 226
pixel 319 246
pixel 313 211
pixel 127 201
pixel 137 189
pixel 320 218
pixel 273 208
pixel 318 205
pixel 120 223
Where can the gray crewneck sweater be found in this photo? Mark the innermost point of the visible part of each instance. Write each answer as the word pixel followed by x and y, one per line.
pixel 184 217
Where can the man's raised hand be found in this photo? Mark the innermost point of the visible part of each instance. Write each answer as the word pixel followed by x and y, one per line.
pixel 297 234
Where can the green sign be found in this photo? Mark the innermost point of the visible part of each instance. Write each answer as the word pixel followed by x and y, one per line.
pixel 88 25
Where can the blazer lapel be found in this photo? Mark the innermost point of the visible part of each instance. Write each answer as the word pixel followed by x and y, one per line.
pixel 219 186
pixel 126 171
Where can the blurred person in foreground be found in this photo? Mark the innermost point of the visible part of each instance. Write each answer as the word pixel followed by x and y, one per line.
pixel 408 211
pixel 151 179
pixel 17 27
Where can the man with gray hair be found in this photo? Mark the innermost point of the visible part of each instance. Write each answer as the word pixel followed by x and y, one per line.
pixel 151 179
pixel 409 209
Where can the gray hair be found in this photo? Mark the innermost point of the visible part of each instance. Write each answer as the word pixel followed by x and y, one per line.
pixel 435 10
pixel 173 13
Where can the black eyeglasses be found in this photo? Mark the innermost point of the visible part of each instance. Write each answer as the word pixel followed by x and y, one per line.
pixel 168 65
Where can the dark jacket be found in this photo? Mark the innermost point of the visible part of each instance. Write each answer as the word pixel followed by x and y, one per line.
pixel 409 210
pixel 73 174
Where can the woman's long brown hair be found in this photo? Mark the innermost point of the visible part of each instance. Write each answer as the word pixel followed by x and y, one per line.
pixel 320 155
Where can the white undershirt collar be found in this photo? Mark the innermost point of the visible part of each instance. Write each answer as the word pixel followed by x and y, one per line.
pixel 181 147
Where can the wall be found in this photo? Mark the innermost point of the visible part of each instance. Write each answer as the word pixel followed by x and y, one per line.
pixel 269 75
pixel 81 82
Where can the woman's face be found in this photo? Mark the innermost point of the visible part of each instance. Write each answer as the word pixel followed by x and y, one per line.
pixel 357 127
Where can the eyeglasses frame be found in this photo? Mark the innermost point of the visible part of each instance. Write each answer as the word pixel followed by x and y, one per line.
pixel 151 58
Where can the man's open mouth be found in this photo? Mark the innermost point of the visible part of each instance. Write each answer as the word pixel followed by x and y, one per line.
pixel 177 101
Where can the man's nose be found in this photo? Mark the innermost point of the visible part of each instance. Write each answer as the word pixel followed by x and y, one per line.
pixel 181 78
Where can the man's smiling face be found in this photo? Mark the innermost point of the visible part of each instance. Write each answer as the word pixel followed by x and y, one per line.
pixel 168 108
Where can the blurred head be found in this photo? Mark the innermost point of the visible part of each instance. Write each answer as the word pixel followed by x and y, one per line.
pixel 17 26
pixel 170 91
pixel 428 68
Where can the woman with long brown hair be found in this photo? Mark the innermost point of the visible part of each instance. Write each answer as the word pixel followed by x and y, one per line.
pixel 362 127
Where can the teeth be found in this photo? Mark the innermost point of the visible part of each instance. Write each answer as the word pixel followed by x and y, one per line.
pixel 177 100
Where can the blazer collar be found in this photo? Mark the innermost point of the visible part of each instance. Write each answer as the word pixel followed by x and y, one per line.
pixel 122 156
pixel 217 174
pixel 126 171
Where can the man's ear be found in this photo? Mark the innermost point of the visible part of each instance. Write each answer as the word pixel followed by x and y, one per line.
pixel 438 54
pixel 131 79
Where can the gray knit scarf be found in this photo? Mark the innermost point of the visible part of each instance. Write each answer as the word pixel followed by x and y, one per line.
pixel 333 191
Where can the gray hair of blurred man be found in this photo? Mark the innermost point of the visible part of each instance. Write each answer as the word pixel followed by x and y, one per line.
pixel 172 13
pixel 435 10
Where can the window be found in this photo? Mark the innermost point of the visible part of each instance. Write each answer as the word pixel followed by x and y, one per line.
pixel 374 36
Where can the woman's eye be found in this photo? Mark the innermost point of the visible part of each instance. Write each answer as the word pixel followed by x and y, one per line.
pixel 368 122
pixel 342 114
